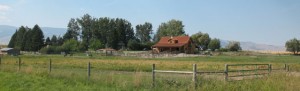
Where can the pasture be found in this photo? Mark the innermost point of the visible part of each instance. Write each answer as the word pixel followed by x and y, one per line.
pixel 130 74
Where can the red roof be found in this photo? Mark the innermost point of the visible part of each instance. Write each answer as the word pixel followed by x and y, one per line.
pixel 164 41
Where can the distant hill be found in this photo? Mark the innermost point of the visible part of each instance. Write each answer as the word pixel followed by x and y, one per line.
pixel 251 46
pixel 7 31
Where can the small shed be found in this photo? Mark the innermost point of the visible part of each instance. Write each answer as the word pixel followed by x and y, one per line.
pixel 10 51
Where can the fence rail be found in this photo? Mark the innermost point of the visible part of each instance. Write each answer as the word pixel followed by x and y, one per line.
pixel 225 72
pixel 179 72
pixel 254 70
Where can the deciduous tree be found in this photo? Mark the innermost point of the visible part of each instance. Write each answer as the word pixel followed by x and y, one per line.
pixel 201 40
pixel 234 46
pixel 171 28
pixel 214 44
pixel 293 45
pixel 143 32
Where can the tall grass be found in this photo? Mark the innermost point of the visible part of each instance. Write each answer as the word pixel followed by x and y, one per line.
pixel 130 74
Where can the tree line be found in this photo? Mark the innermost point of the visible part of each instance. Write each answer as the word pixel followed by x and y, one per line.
pixel 90 33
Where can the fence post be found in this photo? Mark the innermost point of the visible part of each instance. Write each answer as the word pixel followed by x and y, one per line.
pixel 0 60
pixel 226 72
pixel 195 75
pixel 270 68
pixel 89 70
pixel 256 72
pixel 153 75
pixel 19 62
pixel 50 65
pixel 288 68
pixel 285 68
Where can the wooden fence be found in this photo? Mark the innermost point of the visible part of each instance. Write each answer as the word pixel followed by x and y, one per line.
pixel 255 71
pixel 243 70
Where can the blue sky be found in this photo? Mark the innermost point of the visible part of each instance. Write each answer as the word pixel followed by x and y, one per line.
pixel 262 21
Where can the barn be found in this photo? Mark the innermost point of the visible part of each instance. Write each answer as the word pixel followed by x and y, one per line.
pixel 10 51
pixel 177 44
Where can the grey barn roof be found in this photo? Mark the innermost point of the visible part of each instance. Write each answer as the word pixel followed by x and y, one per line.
pixel 6 49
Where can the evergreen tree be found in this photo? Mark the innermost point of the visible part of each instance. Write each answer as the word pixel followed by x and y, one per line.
pixel 19 44
pixel 27 41
pixel 37 38
pixel 11 43
pixel 60 41
pixel 54 41
pixel 48 41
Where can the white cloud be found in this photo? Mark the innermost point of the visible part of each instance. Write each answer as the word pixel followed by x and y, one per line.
pixel 3 13
pixel 4 8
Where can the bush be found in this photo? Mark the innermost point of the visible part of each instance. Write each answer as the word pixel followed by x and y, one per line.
pixel 223 50
pixel 71 46
pixel 136 45
pixel 133 45
pixel 51 50
pixel 234 46
pixel 146 46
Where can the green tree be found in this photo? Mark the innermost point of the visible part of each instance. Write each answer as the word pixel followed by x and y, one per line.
pixel 103 28
pixel 201 39
pixel 214 44
pixel 293 45
pixel 71 45
pixel 234 46
pixel 48 41
pixel 127 31
pixel 19 44
pixel 96 44
pixel 11 43
pixel 54 41
pixel 112 35
pixel 86 26
pixel 37 38
pixel 28 40
pixel 143 32
pixel 171 28
pixel 133 44
pixel 72 31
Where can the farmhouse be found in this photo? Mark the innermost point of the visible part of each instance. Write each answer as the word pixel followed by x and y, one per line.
pixel 9 51
pixel 178 44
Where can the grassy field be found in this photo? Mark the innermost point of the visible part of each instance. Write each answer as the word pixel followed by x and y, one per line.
pixel 127 73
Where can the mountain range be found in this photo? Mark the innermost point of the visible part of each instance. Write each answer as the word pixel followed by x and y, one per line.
pixel 252 46
pixel 7 31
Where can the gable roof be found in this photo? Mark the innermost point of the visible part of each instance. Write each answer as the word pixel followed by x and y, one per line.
pixel 164 41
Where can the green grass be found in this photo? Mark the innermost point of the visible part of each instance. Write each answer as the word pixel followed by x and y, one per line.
pixel 130 74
